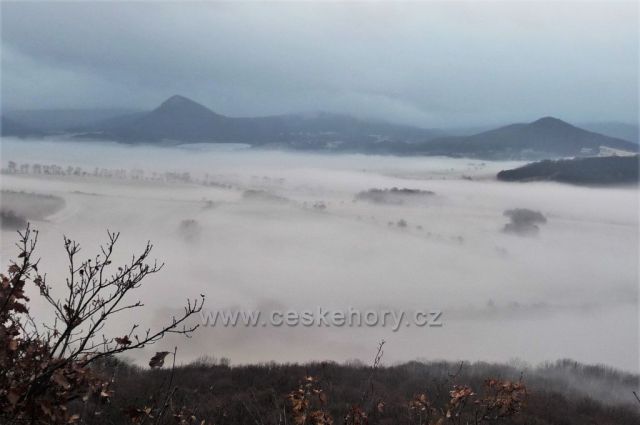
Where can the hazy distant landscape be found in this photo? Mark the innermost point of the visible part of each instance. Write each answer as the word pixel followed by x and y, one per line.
pixel 196 200
pixel 452 255
pixel 180 120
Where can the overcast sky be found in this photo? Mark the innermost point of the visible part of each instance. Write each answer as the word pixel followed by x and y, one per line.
pixel 429 64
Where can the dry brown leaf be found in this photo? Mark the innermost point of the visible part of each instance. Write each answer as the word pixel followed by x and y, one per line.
pixel 158 359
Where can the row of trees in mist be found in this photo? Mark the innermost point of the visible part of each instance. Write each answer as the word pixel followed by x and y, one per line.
pixel 208 179
pixel 108 173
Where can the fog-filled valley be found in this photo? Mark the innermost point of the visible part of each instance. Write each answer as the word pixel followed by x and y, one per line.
pixel 319 213
pixel 274 230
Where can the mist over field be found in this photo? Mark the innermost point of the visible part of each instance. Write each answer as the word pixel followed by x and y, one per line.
pixel 300 240
pixel 383 212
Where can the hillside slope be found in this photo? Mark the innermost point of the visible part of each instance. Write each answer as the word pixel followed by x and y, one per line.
pixel 565 392
pixel 546 137
pixel 11 128
pixel 181 120
pixel 609 170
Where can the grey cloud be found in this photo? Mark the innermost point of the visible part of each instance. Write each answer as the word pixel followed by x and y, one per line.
pixel 431 64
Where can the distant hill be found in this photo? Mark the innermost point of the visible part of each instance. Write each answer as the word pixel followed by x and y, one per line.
pixel 544 138
pixel 607 170
pixel 63 120
pixel 176 119
pixel 9 127
pixel 181 120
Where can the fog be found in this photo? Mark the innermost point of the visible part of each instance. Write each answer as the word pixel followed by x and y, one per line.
pixel 570 290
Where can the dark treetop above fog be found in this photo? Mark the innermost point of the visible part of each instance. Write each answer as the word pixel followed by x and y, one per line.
pixel 608 170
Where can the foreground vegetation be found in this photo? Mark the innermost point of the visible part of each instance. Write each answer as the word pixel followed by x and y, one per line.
pixel 411 393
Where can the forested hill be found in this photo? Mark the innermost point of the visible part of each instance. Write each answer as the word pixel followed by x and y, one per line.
pixel 609 170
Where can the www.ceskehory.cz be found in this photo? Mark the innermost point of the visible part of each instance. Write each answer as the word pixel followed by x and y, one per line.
pixel 322 317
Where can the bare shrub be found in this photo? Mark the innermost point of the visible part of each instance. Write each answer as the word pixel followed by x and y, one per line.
pixel 523 221
pixel 46 371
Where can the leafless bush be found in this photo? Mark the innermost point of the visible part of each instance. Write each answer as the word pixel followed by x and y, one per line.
pixel 46 370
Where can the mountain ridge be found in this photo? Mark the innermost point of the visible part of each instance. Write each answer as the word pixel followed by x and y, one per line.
pixel 180 120
pixel 538 139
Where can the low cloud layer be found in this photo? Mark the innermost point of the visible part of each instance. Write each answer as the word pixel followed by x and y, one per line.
pixel 569 291
pixel 430 64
